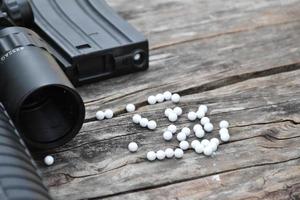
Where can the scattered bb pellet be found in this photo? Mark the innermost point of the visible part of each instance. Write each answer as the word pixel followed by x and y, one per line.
pixel 168 111
pixel 203 108
pixel 160 155
pixel 225 137
pixel 192 116
pixel 224 124
pixel 184 145
pixel 100 115
pixel 215 140
pixel 199 133
pixel 205 120
pixel 168 135
pixel 136 118
pixel 200 114
pixel 132 147
pixel 208 127
pixel 186 131
pixel 172 117
pixel 159 98
pixel 199 148
pixel 194 143
pixel 108 113
pixel 152 125
pixel 178 111
pixel 181 136
pixel 214 146
pixel 208 150
pixel 130 107
pixel 172 128
pixel 205 142
pixel 178 153
pixel 169 153
pixel 151 100
pixel 151 155
pixel 175 98
pixel 223 131
pixel 144 122
pixel 197 127
pixel 167 95
pixel 49 160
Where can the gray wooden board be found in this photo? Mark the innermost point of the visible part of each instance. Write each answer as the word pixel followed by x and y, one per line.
pixel 242 59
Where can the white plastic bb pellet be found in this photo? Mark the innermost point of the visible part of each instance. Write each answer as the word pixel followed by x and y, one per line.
pixel 175 98
pixel 168 111
pixel 192 116
pixel 160 155
pixel 167 95
pixel 108 114
pixel 178 153
pixel 169 153
pixel 172 117
pixel 181 136
pixel 186 130
pixel 100 115
pixel 144 122
pixel 159 98
pixel 151 100
pixel 199 148
pixel 49 160
pixel 224 124
pixel 205 120
pixel 172 128
pixel 152 125
pixel 204 108
pixel 151 155
pixel 195 143
pixel 178 111
pixel 168 135
pixel 200 133
pixel 136 118
pixel 130 107
pixel 208 127
pixel 132 147
pixel 205 142
pixel 184 145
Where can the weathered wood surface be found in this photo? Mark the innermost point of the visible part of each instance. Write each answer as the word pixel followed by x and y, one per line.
pixel 242 59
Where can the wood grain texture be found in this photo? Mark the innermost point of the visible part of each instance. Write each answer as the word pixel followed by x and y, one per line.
pixel 242 59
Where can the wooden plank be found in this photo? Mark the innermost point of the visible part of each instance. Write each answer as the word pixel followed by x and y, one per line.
pixel 264 132
pixel 266 182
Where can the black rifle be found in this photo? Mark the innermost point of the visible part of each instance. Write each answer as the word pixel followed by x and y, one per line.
pixel 46 47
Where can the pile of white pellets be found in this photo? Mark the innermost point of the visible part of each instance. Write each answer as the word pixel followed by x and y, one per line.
pixel 202 127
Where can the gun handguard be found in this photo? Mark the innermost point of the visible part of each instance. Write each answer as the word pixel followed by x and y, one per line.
pixel 19 177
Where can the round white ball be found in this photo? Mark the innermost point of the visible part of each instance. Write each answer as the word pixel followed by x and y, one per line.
pixel 49 160
pixel 215 141
pixel 144 122
pixel 195 143
pixel 108 114
pixel 160 98
pixel 181 136
pixel 169 153
pixel 130 107
pixel 175 98
pixel 223 131
pixel 178 153
pixel 200 114
pixel 168 111
pixel 168 135
pixel 214 146
pixel 172 128
pixel 151 100
pixel 208 150
pixel 205 120
pixel 208 127
pixel 151 155
pixel 200 133
pixel 132 147
pixel 136 118
pixel 199 148
pixel 192 116
pixel 224 124
pixel 100 115
pixel 205 142
pixel 186 130
pixel 203 108
pixel 160 155
pixel 197 127
pixel 172 117
pixel 184 145
pixel 152 125
pixel 167 95
pixel 225 137
pixel 178 111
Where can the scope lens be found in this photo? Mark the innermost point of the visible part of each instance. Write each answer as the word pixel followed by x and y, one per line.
pixel 49 114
